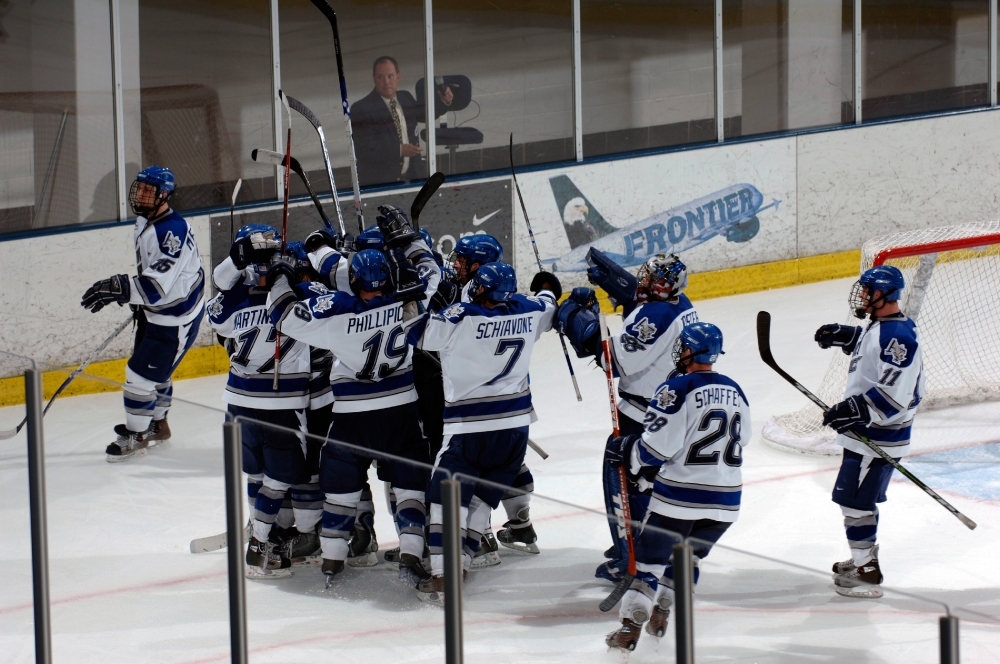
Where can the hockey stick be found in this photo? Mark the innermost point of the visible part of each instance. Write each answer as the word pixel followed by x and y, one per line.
pixel 764 345
pixel 424 196
pixel 531 234
pixel 302 110
pixel 236 191
pixel 331 16
pixel 271 157
pixel 10 433
pixel 284 229
pixel 626 580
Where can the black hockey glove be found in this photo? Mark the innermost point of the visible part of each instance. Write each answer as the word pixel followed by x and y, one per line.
pixel 404 277
pixel 113 289
pixel 324 237
pixel 281 265
pixel 447 294
pixel 546 281
pixel 618 451
pixel 851 412
pixel 395 226
pixel 845 336
pixel 254 248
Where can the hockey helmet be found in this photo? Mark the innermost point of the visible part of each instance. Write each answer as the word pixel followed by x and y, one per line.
pixel 159 177
pixel 369 271
pixel 370 238
pixel 264 229
pixel 425 235
pixel 496 282
pixel 663 277
pixel 705 342
pixel 884 278
pixel 478 248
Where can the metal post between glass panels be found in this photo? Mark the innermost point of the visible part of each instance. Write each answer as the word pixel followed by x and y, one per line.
pixel 577 84
pixel 683 603
pixel 857 62
pixel 451 506
pixel 233 453
pixel 119 108
pixel 719 119
pixel 277 141
pixel 992 79
pixel 429 89
pixel 39 528
pixel 949 640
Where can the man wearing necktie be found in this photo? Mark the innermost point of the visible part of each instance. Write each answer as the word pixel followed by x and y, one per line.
pixel 384 126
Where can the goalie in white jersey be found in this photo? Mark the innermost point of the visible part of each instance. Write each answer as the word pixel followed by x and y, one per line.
pixel 167 297
pixel 885 384
pixel 696 427
pixel 485 348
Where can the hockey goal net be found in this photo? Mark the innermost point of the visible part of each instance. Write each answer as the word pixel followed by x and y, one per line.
pixel 952 277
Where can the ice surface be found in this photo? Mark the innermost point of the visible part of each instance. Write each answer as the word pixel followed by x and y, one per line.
pixel 124 587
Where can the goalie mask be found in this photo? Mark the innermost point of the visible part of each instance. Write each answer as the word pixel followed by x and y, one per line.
pixel 662 277
pixel 153 185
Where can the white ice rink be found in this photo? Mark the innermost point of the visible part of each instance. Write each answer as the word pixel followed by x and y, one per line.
pixel 124 587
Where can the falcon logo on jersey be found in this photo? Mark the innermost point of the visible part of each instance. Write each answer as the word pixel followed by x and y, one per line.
pixel 215 306
pixel 322 304
pixel 896 351
pixel 644 330
pixel 665 398
pixel 318 288
pixel 171 244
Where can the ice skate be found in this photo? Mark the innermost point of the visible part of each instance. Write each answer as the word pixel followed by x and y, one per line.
pixel 846 566
pixel 487 555
pixel 264 562
pixel 303 548
pixel 431 590
pixel 159 430
pixel 864 581
pixel 518 534
pixel 624 638
pixel 657 624
pixel 412 570
pixel 129 444
pixel 331 568
pixel 392 555
pixel 363 547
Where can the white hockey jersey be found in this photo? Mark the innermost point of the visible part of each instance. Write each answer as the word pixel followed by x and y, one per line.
pixel 696 428
pixel 170 282
pixel 239 313
pixel 485 354
pixel 887 367
pixel 333 267
pixel 642 352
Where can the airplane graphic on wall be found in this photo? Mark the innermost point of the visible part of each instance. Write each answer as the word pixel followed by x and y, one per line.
pixel 730 212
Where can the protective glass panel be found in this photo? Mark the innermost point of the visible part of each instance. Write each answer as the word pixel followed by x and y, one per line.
pixel 787 65
pixel 508 67
pixel 921 57
pixel 57 163
pixel 648 74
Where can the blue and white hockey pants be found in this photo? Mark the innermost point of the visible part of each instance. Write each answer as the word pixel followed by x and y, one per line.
pixel 397 446
pixel 496 457
pixel 861 484
pixel 654 580
pixel 157 352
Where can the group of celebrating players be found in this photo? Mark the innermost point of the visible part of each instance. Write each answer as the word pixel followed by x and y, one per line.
pixel 347 352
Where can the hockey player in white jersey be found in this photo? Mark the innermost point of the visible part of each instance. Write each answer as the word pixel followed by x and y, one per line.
pixel 655 311
pixel 272 421
pixel 375 401
pixel 885 384
pixel 167 297
pixel 485 348
pixel 695 429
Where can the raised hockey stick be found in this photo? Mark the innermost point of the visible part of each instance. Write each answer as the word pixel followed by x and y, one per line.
pixel 534 245
pixel 623 585
pixel 304 111
pixel 271 157
pixel 284 229
pixel 331 16
pixel 764 345
pixel 424 196
pixel 236 191
pixel 10 433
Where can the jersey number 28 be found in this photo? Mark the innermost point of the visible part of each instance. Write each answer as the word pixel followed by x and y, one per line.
pixel 732 455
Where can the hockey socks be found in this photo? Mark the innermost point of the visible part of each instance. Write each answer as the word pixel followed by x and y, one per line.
pixel 270 496
pixel 339 513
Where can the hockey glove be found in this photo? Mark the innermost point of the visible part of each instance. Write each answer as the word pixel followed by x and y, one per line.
pixel 845 336
pixel 280 265
pixel 113 289
pixel 395 226
pixel 546 281
pixel 849 413
pixel 324 237
pixel 578 319
pixel 254 248
pixel 447 294
pixel 618 451
pixel 404 277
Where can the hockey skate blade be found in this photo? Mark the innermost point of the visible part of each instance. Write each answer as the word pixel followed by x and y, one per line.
pixel 861 591
pixel 489 559
pixel 435 598
pixel 369 559
pixel 141 452
pixel 259 574
pixel 520 547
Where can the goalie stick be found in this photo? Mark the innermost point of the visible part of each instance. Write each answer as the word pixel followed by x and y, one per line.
pixel 331 16
pixel 764 345
pixel 527 222
pixel 629 575
pixel 263 156
pixel 424 196
pixel 10 433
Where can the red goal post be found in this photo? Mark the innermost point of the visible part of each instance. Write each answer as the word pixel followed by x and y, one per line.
pixel 952 291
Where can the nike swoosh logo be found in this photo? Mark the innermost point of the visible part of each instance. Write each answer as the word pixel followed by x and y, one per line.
pixel 477 221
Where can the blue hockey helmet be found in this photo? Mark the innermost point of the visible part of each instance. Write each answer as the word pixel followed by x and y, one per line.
pixel 250 229
pixel 494 281
pixel 425 235
pixel 159 177
pixel 369 271
pixel 478 248
pixel 370 238
pixel 883 278
pixel 297 250
pixel 705 342
pixel 663 277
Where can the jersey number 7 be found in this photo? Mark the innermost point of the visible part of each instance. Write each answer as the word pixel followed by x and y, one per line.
pixel 517 345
